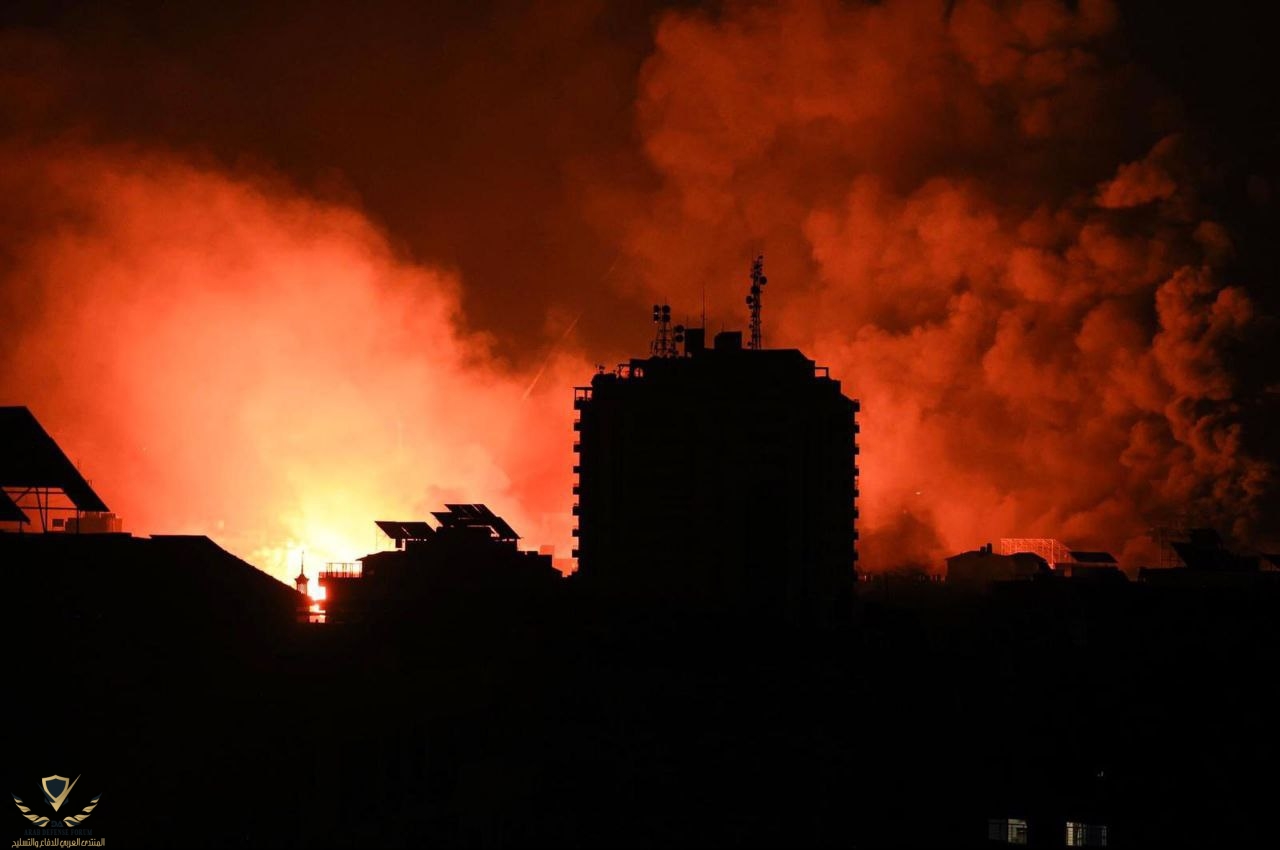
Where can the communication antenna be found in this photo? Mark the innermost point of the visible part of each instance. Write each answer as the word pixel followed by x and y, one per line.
pixel 663 345
pixel 758 280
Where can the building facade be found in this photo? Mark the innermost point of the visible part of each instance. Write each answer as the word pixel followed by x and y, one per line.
pixel 719 474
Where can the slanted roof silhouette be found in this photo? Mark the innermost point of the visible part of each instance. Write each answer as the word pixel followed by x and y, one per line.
pixel 9 512
pixel 1082 557
pixel 1214 557
pixel 30 458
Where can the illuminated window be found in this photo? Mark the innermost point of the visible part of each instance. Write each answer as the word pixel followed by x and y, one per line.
pixel 1007 830
pixel 1086 834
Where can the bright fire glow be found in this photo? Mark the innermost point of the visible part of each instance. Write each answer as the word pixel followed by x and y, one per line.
pixel 230 359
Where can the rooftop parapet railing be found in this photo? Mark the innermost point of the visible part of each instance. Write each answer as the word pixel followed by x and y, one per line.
pixel 342 569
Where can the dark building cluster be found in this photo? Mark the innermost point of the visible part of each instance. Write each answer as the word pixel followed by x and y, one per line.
pixel 472 551
pixel 1203 559
pixel 708 676
pixel 712 478
pixel 1194 557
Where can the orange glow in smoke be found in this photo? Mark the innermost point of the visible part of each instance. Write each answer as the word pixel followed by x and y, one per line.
pixel 958 221
pixel 963 213
pixel 227 358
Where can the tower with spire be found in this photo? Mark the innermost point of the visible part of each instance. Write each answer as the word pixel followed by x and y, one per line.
pixel 302 582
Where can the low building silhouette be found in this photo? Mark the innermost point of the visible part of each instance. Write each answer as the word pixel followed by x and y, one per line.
pixel 472 552
pixel 723 475
pixel 1207 561
pixel 162 582
pixel 983 566
pixel 1026 559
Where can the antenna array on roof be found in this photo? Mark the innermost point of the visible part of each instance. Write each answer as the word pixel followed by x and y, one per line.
pixel 664 342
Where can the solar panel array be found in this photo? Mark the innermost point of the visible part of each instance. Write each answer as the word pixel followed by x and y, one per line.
pixel 475 516
pixel 457 516
pixel 398 531
pixel 417 530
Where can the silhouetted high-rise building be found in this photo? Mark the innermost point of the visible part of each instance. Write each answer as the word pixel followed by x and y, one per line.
pixel 720 474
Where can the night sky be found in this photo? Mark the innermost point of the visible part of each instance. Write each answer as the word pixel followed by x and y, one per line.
pixel 271 271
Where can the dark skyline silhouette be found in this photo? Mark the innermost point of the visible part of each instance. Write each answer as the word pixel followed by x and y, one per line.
pixel 324 521
pixel 457 690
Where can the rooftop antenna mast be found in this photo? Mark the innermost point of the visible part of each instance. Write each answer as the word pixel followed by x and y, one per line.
pixel 758 280
pixel 664 343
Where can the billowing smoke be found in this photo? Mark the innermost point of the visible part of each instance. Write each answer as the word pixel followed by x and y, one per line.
pixel 226 357
pixel 984 216
pixel 982 220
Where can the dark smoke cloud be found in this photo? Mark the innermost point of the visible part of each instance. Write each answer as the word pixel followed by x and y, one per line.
pixel 1031 309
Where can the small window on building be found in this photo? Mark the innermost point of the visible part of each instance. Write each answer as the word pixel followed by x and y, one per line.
pixel 1007 830
pixel 1086 834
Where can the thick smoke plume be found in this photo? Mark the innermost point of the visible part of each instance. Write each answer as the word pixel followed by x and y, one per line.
pixel 229 358
pixel 982 221
pixel 984 216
